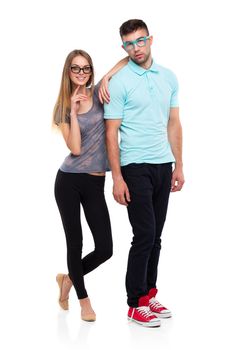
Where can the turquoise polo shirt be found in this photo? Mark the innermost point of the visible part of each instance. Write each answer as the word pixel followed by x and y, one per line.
pixel 142 99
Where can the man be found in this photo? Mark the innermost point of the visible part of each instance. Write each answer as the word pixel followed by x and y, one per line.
pixel 144 108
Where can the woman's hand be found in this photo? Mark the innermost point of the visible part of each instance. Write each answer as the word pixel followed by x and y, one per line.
pixel 103 92
pixel 75 101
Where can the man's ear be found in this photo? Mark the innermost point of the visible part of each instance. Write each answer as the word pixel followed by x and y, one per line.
pixel 151 39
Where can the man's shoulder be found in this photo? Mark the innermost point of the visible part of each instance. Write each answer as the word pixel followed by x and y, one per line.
pixel 122 73
pixel 121 80
pixel 164 70
pixel 167 75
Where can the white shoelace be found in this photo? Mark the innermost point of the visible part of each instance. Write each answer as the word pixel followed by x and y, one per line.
pixel 155 303
pixel 144 311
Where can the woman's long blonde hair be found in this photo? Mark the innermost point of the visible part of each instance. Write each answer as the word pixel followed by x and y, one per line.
pixel 63 103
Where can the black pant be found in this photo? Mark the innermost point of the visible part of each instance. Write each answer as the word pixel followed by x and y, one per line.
pixel 149 186
pixel 71 190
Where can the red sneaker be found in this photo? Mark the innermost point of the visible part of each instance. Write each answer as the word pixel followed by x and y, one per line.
pixel 157 309
pixel 142 314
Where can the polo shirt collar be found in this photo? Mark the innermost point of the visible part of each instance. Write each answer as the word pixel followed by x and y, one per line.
pixel 140 70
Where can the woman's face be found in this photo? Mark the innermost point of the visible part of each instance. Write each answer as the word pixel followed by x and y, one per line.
pixel 80 71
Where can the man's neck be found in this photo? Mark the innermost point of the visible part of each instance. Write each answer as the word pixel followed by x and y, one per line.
pixel 147 64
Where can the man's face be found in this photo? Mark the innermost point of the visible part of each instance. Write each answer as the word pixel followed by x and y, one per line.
pixel 138 54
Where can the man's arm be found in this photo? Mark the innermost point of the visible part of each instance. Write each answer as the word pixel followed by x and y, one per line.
pixel 175 139
pixel 103 92
pixel 120 188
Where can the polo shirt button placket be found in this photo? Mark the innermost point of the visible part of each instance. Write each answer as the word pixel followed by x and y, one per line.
pixel 150 83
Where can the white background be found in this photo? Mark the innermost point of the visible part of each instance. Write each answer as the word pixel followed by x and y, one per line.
pixel 200 265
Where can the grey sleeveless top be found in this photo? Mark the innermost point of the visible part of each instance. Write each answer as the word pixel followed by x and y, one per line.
pixel 93 157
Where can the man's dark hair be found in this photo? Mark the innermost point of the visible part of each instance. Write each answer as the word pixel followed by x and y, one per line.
pixel 131 26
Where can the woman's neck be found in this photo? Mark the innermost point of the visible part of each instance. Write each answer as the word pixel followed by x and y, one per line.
pixel 83 90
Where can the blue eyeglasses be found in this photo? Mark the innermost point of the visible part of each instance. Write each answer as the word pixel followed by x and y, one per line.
pixel 140 42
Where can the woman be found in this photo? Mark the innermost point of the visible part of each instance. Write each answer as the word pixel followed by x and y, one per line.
pixel 80 180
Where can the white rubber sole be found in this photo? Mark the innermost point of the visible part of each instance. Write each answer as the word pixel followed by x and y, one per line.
pixel 153 324
pixel 164 315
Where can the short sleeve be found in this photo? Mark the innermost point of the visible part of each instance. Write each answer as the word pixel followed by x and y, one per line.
pixel 115 108
pixel 174 95
pixel 57 117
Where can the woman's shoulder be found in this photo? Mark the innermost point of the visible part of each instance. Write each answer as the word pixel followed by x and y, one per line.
pixel 95 92
pixel 96 87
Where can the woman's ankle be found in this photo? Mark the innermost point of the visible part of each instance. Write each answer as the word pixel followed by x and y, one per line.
pixel 85 302
pixel 68 280
pixel 86 306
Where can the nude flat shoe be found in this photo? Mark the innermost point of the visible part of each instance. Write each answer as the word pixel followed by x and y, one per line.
pixel 89 317
pixel 63 303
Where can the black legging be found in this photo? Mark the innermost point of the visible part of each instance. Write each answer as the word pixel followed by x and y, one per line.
pixel 71 190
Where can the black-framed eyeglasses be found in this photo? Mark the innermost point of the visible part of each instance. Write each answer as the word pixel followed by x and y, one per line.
pixel 140 42
pixel 77 69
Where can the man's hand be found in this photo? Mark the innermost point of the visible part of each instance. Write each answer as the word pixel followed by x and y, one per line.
pixel 121 192
pixel 177 180
pixel 103 92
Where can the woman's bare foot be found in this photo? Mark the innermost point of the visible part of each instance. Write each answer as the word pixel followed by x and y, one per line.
pixel 87 313
pixel 65 285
